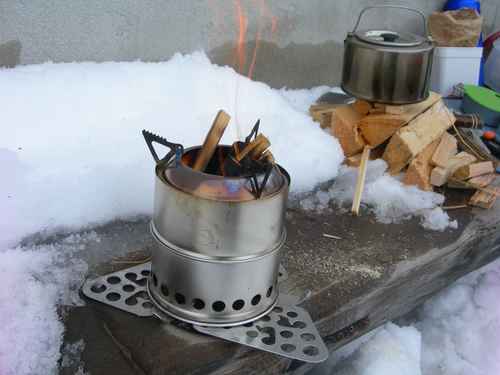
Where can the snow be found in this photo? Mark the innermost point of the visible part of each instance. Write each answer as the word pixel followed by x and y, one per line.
pixel 35 280
pixel 390 200
pixel 71 124
pixel 456 333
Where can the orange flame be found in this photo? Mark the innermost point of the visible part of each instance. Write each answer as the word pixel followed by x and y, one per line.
pixel 242 22
pixel 240 53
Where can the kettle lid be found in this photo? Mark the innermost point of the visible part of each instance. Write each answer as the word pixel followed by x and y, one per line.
pixel 390 38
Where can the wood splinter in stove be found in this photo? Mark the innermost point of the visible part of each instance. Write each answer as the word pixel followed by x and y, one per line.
pixel 212 139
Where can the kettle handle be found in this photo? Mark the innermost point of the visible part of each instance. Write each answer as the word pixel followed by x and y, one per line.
pixel 393 7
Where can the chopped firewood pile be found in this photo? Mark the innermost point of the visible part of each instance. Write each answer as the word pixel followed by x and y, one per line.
pixel 434 148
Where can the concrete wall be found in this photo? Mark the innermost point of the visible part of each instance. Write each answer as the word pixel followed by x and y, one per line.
pixel 301 42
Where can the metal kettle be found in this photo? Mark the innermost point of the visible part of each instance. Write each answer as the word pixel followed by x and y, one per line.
pixel 387 66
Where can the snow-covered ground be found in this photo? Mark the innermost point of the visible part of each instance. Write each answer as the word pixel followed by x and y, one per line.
pixel 71 157
pixel 457 332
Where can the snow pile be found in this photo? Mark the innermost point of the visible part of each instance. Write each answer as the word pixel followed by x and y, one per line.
pixel 392 350
pixel 390 200
pixel 461 326
pixel 34 282
pixel 457 333
pixel 71 149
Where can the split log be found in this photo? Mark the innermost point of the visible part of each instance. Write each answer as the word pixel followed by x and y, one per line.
pixel 409 141
pixel 484 180
pixel 473 183
pixel 360 183
pixel 344 127
pixel 316 110
pixel 446 149
pixel 474 170
pixel 355 160
pixel 376 128
pixel 484 199
pixel 259 142
pixel 211 141
pixel 362 106
pixel 439 175
pixel 419 170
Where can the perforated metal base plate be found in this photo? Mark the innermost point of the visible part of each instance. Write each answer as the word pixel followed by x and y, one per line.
pixel 287 330
pixel 126 290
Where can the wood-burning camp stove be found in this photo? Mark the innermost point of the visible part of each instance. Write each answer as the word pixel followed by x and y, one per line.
pixel 218 236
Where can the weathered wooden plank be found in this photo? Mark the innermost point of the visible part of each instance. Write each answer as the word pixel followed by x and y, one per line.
pixel 376 273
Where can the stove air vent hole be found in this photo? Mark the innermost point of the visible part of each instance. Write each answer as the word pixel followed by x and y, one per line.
pixel 145 273
pixel 98 288
pixel 218 306
pixel 288 348
pixel 128 288
pixel 256 299
pixel 238 304
pixel 155 280
pixel 286 334
pixel 269 292
pixel 113 296
pixel 113 280
pixel 164 290
pixel 180 299
pixel 308 337
pixel 299 324
pixel 252 334
pixel 198 304
pixel 131 301
pixel 132 276
pixel 310 351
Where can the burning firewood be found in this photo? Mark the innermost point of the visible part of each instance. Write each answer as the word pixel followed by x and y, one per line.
pixel 212 139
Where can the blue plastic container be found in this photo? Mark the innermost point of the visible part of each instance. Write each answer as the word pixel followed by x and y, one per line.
pixel 459 4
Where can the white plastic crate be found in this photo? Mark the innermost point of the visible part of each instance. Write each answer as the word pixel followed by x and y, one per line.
pixel 454 65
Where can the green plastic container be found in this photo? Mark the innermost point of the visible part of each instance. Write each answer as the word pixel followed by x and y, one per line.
pixel 484 102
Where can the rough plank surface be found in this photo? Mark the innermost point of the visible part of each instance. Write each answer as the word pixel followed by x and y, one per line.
pixel 376 128
pixel 344 127
pixel 409 141
pixel 440 175
pixel 419 170
pixel 376 273
pixel 446 149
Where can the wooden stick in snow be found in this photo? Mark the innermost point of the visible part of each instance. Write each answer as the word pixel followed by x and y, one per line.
pixel 360 184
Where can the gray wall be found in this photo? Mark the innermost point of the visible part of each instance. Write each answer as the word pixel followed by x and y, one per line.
pixel 304 50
